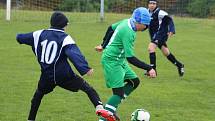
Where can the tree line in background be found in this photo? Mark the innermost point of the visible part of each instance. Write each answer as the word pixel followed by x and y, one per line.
pixel 201 8
pixel 196 8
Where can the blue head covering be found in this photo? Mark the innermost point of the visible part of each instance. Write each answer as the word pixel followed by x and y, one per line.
pixel 141 15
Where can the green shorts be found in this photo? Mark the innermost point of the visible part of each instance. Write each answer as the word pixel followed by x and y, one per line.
pixel 115 73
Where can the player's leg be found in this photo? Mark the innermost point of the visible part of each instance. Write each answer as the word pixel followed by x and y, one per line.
pixel 114 76
pixel 113 103
pixel 166 52
pixel 96 101
pixel 91 93
pixel 77 83
pixel 130 86
pixel 44 87
pixel 152 54
pixel 131 80
pixel 120 93
pixel 35 103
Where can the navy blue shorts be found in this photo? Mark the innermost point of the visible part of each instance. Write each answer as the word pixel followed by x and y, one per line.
pixel 159 43
pixel 46 85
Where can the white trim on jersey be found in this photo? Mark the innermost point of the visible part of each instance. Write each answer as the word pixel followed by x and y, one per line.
pixel 68 40
pixel 129 24
pixel 56 30
pixel 161 15
pixel 36 36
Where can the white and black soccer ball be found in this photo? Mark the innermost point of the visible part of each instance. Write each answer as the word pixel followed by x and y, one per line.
pixel 140 115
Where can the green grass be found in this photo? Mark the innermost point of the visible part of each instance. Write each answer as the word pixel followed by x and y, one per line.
pixel 168 97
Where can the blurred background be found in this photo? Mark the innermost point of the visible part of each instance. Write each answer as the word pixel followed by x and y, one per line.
pixel 167 97
pixel 22 9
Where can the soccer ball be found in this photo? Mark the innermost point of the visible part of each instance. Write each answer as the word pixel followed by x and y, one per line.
pixel 140 115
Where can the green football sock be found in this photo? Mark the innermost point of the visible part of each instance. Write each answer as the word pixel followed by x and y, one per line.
pixel 102 119
pixel 112 104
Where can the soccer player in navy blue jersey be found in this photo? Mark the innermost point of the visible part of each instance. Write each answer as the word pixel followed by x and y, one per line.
pixel 160 29
pixel 52 47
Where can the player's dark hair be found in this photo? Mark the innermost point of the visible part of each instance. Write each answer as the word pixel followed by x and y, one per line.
pixel 58 20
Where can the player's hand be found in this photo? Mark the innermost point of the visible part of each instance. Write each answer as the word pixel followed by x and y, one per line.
pixel 152 73
pixel 90 72
pixel 170 34
pixel 99 48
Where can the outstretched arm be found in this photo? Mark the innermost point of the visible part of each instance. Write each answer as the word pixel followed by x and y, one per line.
pixel 140 64
pixel 27 38
pixel 171 27
pixel 106 39
pixel 129 54
pixel 78 60
pixel 107 36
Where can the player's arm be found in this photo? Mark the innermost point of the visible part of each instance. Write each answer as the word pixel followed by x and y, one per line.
pixel 166 21
pixel 106 39
pixel 27 38
pixel 138 63
pixel 163 26
pixel 76 57
pixel 107 36
pixel 171 25
pixel 129 53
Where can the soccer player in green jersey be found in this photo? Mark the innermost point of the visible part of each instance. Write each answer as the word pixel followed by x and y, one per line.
pixel 116 55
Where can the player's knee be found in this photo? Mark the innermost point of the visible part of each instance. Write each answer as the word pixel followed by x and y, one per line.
pixel 165 51
pixel 119 92
pixel 87 88
pixel 136 82
pixel 151 49
pixel 133 82
pixel 165 54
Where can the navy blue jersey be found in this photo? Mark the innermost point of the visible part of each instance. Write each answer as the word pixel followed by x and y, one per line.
pixel 52 47
pixel 160 25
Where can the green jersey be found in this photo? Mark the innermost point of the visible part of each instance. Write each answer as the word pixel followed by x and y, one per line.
pixel 121 44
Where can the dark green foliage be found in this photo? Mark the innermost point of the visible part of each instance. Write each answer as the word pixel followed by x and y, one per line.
pixel 212 9
pixel 119 6
pixel 80 5
pixel 201 8
pixel 167 97
pixel 198 8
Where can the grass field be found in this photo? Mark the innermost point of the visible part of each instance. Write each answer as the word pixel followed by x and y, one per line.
pixel 167 97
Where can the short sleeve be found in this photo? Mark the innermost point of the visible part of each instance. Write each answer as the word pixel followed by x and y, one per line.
pixel 114 26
